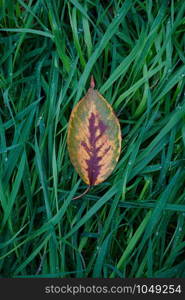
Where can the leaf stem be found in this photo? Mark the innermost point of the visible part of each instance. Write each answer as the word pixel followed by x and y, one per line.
pixel 92 83
pixel 85 192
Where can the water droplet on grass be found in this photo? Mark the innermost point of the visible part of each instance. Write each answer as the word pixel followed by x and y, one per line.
pixel 80 30
pixel 179 107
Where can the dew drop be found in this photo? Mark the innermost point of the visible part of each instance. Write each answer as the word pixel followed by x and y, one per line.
pixel 179 107
pixel 80 30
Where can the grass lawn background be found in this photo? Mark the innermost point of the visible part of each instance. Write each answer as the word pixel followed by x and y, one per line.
pixel 131 225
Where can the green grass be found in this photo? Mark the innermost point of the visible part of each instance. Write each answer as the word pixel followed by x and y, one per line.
pixel 131 225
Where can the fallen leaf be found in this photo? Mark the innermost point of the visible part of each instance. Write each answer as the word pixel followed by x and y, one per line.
pixel 94 138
